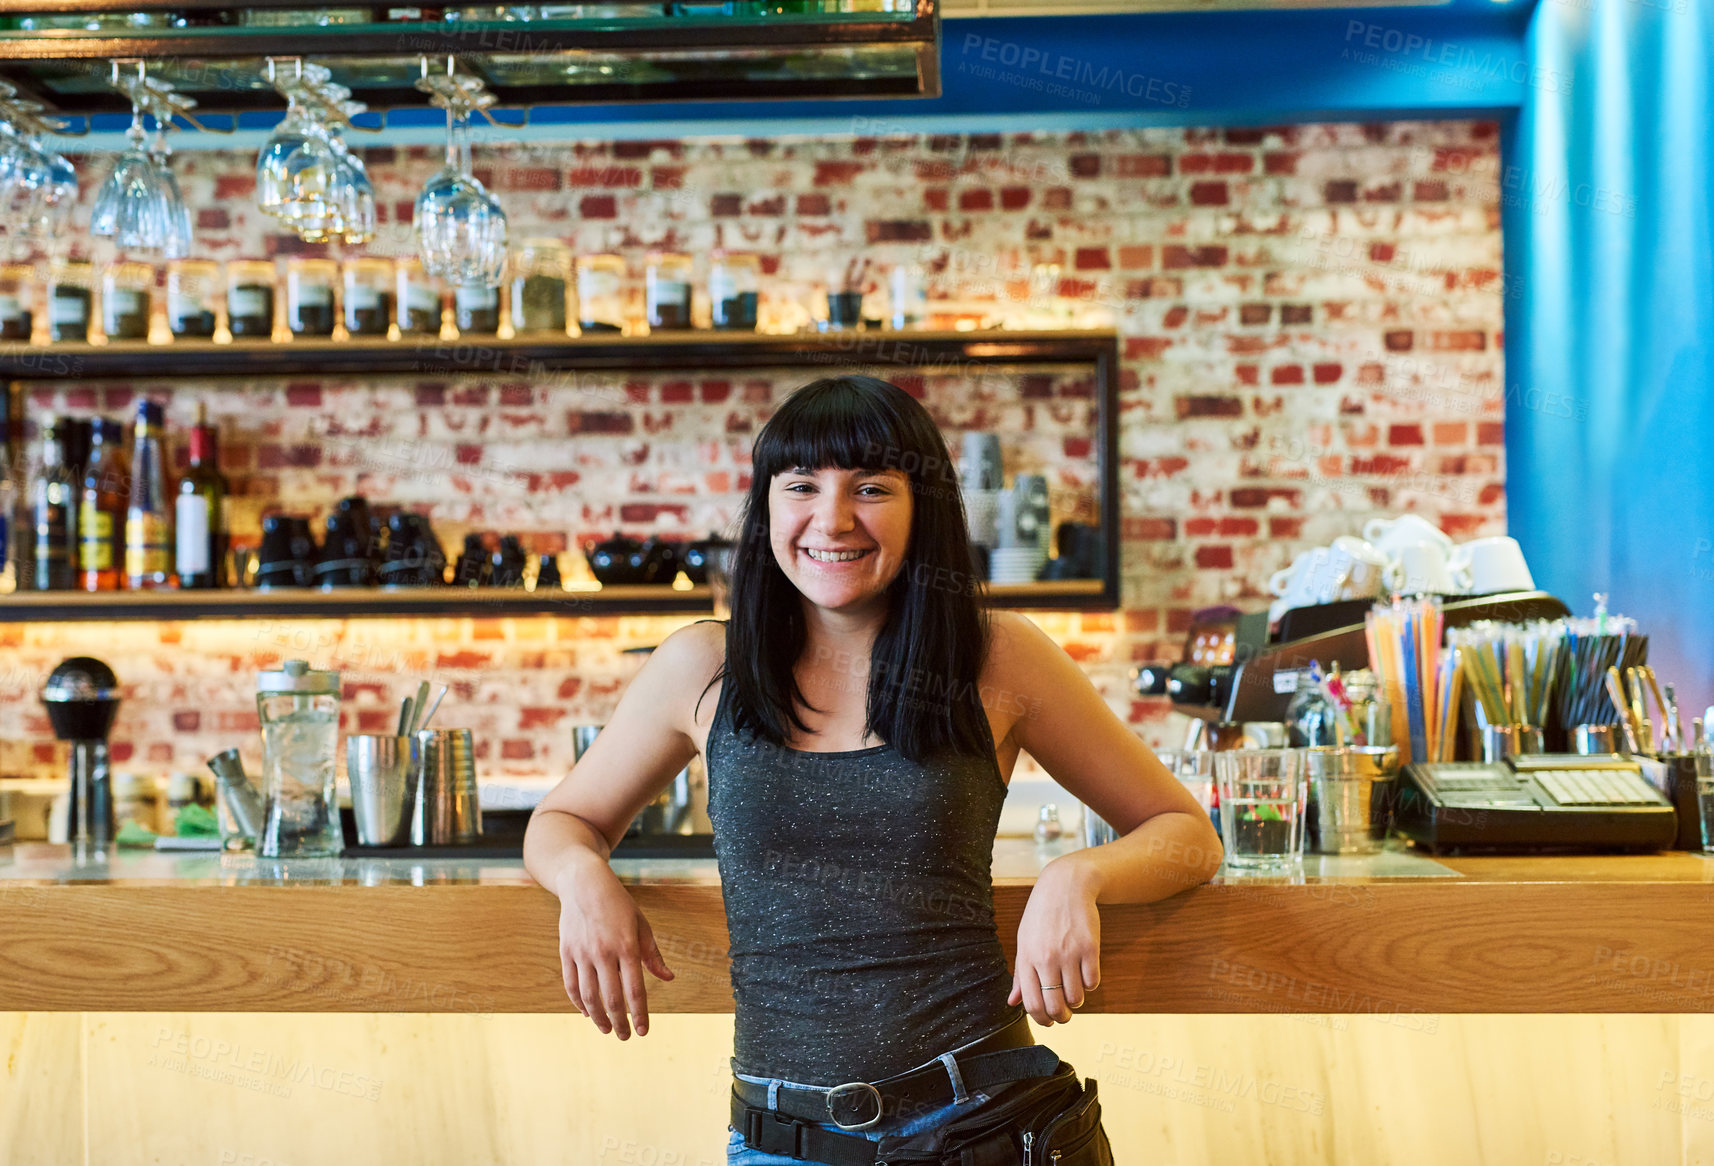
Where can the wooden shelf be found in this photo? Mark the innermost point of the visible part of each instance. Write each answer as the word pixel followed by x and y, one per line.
pixel 829 353
pixel 376 603
pixel 475 355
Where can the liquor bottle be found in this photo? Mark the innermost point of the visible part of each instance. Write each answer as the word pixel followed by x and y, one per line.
pixel 148 522
pixel 53 513
pixel 8 508
pixel 101 513
pixel 200 513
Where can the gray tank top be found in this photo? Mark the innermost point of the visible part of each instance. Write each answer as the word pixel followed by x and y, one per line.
pixel 859 905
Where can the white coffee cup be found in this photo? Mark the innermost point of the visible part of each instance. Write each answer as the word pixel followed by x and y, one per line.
pixel 1355 570
pixel 1280 581
pixel 1389 535
pixel 1484 566
pixel 1308 582
pixel 1419 569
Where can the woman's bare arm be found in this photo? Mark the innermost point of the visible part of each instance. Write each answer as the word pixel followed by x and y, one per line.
pixel 605 942
pixel 1167 843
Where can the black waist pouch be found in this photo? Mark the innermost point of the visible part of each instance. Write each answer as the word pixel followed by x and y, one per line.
pixel 1040 1121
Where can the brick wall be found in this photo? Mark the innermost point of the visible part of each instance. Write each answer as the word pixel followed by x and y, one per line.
pixel 1311 320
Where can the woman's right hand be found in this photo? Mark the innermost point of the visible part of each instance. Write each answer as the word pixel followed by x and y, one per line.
pixel 604 945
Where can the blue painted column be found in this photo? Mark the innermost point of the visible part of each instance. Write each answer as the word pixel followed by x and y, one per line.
pixel 1610 411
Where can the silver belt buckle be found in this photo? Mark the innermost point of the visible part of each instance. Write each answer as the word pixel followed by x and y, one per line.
pixel 839 1090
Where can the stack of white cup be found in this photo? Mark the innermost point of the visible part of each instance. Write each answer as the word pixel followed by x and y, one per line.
pixel 1408 555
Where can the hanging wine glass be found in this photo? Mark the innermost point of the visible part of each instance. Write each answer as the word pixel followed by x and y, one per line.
pixel 175 217
pixel 460 226
pixel 129 207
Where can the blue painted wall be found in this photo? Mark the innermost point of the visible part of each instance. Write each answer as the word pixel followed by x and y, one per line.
pixel 1609 238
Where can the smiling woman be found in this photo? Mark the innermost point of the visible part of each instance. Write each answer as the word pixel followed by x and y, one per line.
pixel 859 717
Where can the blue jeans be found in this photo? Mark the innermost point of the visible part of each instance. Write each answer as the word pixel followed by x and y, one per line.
pixel 738 1154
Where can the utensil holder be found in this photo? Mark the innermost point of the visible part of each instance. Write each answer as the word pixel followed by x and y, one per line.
pixel 380 769
pixel 1502 741
pixel 1350 794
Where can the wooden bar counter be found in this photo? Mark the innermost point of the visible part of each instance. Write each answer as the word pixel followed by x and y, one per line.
pixel 1396 935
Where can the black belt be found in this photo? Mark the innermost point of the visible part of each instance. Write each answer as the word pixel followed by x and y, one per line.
pixel 791 1127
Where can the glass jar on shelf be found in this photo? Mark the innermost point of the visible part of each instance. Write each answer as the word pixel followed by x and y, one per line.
pixel 734 287
pixel 668 291
pixel 193 297
pixel 368 296
pixel 127 299
pixel 250 299
pixel 17 302
pixel 909 296
pixel 600 293
pixel 71 287
pixel 418 297
pixel 309 296
pixel 541 276
pixel 476 309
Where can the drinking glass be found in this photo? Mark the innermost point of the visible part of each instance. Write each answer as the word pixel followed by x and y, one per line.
pixel 460 226
pixel 1194 769
pixel 175 233
pixel 1262 799
pixel 130 208
pixel 1705 797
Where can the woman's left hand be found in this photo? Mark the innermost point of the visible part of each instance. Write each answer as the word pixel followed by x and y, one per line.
pixel 1059 942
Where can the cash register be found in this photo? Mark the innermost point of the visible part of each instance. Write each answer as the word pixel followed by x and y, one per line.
pixel 1532 804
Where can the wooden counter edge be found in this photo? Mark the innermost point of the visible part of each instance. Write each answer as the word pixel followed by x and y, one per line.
pixel 1399 949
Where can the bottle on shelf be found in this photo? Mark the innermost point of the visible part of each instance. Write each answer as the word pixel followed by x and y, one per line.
pixel 199 518
pixel 8 509
pixel 148 522
pixel 101 512
pixel 53 513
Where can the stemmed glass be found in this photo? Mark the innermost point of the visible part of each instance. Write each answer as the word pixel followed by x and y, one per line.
pixel 460 225
pixel 305 175
pixel 38 187
pixel 140 206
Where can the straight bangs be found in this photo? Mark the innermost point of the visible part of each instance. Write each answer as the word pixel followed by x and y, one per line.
pixel 838 426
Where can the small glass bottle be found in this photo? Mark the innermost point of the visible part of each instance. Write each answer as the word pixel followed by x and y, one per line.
pixel 53 513
pixel 299 711
pixel 541 275
pixel 600 293
pixel 148 521
pixel 101 512
pixel 476 309
pixel 668 291
pixel 734 283
pixel 418 299
pixel 309 296
pixel 250 299
pixel 72 283
pixel 368 296
pixel 17 302
pixel 127 297
pixel 193 297
pixel 199 515
pixel 909 296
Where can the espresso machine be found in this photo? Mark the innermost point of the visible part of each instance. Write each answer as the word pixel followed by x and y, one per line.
pixel 82 699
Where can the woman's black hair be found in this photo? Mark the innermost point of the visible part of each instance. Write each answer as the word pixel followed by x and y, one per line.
pixel 926 662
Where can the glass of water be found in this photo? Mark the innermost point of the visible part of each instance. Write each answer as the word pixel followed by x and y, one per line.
pixel 1705 796
pixel 1262 799
pixel 1194 769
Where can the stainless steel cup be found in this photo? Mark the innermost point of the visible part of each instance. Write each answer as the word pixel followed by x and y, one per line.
pixel 1343 784
pixel 382 795
pixel 446 811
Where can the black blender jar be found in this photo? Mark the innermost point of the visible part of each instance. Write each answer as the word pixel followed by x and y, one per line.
pixel 82 699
